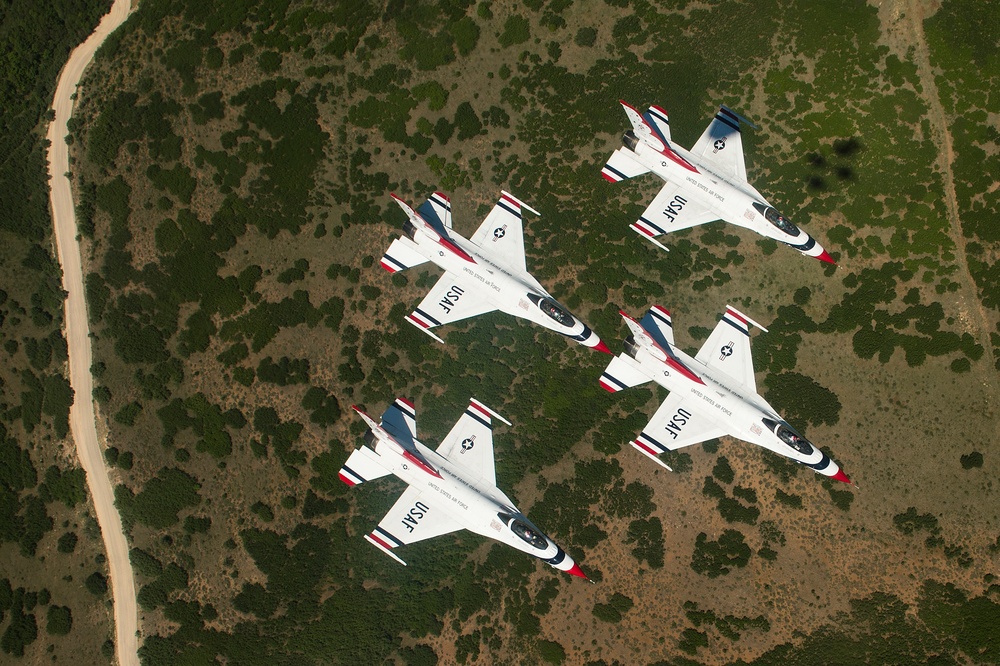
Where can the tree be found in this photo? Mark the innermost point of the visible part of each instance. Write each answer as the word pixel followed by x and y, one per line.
pixel 59 620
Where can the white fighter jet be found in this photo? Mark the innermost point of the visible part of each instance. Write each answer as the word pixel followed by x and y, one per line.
pixel 450 489
pixel 711 395
pixel 481 275
pixel 706 184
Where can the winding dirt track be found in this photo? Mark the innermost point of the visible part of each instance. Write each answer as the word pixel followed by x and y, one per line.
pixel 78 338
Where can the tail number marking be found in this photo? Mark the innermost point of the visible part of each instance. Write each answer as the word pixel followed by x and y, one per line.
pixel 674 208
pixel 677 422
pixel 451 297
pixel 414 515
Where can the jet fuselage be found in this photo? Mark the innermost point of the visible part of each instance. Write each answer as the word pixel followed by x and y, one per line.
pixel 478 507
pixel 734 202
pixel 510 289
pixel 716 396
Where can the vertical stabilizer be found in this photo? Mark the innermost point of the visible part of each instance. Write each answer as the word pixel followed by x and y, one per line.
pixel 643 130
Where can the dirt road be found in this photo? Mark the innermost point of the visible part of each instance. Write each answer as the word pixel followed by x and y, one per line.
pixel 78 338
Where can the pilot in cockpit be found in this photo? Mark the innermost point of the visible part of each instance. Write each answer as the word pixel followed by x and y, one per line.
pixel 797 442
pixel 529 535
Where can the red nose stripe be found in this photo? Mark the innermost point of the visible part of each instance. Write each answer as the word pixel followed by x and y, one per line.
pixel 827 258
pixel 577 571
pixel 840 476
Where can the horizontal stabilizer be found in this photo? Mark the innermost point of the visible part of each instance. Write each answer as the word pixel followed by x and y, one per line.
pixel 623 372
pixel 402 254
pixel 622 165
pixel 363 465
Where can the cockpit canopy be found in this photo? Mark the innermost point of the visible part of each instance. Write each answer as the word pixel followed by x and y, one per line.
pixel 528 533
pixel 788 435
pixel 552 309
pixel 777 219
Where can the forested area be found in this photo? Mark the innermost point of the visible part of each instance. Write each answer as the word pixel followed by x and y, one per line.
pixel 46 531
pixel 234 165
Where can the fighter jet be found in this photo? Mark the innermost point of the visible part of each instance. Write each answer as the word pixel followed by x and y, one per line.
pixel 706 184
pixel 711 395
pixel 450 489
pixel 481 275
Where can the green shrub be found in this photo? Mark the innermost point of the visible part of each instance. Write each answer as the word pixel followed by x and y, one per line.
pixel 59 620
pixel 67 542
pixel 585 37
pixel 551 652
pixel 516 30
pixel 647 535
pixel 97 584
pixel 716 558
pixel 723 471
pixel 974 459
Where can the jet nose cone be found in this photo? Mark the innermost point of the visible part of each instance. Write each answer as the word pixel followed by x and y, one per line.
pixel 826 258
pixel 601 347
pixel 840 476
pixel 575 570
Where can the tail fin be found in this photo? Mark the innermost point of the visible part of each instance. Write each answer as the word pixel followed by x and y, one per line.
pixel 659 119
pixel 643 129
pixel 648 340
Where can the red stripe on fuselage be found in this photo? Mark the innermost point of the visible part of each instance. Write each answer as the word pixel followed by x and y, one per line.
pixel 681 368
pixel 454 249
pixel 421 464
pixel 679 160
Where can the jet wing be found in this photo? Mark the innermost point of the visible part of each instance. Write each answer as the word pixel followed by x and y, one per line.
pixel 728 349
pixel 672 210
pixel 675 425
pixel 452 299
pixel 502 232
pixel 721 146
pixel 415 516
pixel 400 420
pixel 469 445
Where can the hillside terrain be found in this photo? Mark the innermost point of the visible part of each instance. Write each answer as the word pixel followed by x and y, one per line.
pixel 232 166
